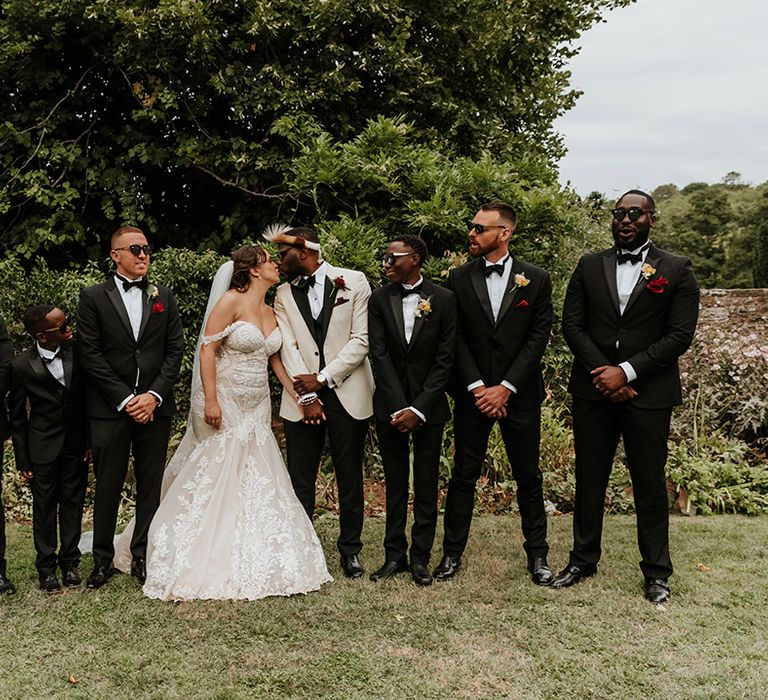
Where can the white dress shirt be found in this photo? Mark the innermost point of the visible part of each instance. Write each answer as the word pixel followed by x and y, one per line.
pixel 627 277
pixel 55 366
pixel 410 303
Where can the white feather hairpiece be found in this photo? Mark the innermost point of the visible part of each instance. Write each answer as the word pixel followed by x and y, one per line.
pixel 280 233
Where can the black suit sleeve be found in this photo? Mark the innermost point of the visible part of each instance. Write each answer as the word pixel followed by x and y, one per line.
pixel 575 332
pixel 100 372
pixel 17 413
pixel 466 367
pixel 163 383
pixel 679 327
pixel 388 381
pixel 440 372
pixel 528 359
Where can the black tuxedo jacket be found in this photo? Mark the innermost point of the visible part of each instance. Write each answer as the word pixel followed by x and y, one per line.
pixel 416 373
pixel 510 348
pixel 56 413
pixel 6 355
pixel 655 329
pixel 118 365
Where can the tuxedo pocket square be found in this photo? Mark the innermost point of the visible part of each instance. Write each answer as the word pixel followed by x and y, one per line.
pixel 158 307
pixel 521 304
pixel 339 302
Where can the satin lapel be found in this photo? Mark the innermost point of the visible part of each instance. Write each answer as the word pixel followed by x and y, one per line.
pixel 146 312
pixel 609 267
pixel 116 300
pixel 39 368
pixel 396 306
pixel 329 298
pixel 641 281
pixel 300 297
pixel 477 278
pixel 418 324
pixel 510 292
pixel 68 361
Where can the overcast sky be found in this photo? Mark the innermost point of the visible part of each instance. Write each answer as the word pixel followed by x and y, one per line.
pixel 674 91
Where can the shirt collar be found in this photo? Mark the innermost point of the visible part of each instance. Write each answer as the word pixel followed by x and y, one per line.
pixel 47 354
pixel 415 284
pixel 503 261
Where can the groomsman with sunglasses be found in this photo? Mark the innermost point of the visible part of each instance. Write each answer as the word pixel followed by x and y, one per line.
pixel 630 312
pixel 131 344
pixel 505 318
pixel 412 335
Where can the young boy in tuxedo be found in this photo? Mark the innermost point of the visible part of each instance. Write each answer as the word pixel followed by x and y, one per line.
pixel 49 432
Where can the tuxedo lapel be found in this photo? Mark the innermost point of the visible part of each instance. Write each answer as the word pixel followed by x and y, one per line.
pixel 68 361
pixel 329 298
pixel 113 294
pixel 418 323
pixel 300 297
pixel 146 312
pixel 396 307
pixel 39 368
pixel 651 259
pixel 510 292
pixel 609 268
pixel 477 279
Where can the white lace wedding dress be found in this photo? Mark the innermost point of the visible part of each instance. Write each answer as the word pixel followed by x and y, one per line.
pixel 229 525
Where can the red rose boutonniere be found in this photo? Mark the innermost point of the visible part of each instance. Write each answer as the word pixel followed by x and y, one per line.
pixel 339 283
pixel 158 307
pixel 657 286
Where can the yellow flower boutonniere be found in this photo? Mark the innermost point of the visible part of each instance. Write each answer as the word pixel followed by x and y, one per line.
pixel 423 308
pixel 647 271
pixel 521 280
pixel 152 291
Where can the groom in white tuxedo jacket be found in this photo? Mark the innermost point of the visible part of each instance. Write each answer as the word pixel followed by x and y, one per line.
pixel 322 314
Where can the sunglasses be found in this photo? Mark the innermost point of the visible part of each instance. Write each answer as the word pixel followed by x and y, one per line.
pixel 391 258
pixel 61 329
pixel 137 249
pixel 480 228
pixel 634 213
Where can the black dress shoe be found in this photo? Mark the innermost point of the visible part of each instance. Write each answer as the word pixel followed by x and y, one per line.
pixel 656 590
pixel 6 587
pixel 447 568
pixel 420 575
pixel 49 583
pixel 572 574
pixel 71 577
pixel 541 574
pixel 351 565
pixel 390 568
pixel 99 576
pixel 139 569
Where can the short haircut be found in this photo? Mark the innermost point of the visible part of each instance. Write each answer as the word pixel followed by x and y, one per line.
pixel 306 233
pixel 642 194
pixel 34 318
pixel 504 210
pixel 416 244
pixel 121 231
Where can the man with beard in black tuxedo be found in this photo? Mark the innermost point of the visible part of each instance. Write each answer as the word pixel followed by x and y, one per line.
pixel 412 335
pixel 505 318
pixel 6 355
pixel 130 342
pixel 49 431
pixel 630 312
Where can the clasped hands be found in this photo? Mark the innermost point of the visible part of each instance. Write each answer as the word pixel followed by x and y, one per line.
pixel 313 411
pixel 492 400
pixel 611 382
pixel 142 408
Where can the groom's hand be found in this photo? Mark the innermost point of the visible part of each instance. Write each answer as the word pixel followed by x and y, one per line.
pixel 306 383
pixel 313 412
pixel 492 402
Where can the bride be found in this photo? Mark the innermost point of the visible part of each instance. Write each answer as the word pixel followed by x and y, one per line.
pixel 229 525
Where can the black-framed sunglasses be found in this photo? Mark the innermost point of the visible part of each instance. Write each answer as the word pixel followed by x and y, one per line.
pixel 61 329
pixel 634 213
pixel 391 258
pixel 480 228
pixel 137 249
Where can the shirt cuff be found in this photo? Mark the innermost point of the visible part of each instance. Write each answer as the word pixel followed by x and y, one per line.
pixel 124 403
pixel 509 386
pixel 157 396
pixel 629 371
pixel 328 377
pixel 476 384
pixel 418 413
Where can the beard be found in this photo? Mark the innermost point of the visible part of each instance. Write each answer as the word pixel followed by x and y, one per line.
pixel 637 241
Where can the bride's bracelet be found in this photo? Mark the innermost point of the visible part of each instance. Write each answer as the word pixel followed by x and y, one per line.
pixel 307 399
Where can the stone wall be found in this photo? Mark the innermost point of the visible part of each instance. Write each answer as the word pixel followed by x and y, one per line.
pixel 738 309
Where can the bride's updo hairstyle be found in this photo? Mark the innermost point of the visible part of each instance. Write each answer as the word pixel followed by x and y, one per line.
pixel 245 259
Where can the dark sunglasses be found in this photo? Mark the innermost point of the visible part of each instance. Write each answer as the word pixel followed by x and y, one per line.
pixel 634 213
pixel 137 249
pixel 391 258
pixel 480 228
pixel 61 329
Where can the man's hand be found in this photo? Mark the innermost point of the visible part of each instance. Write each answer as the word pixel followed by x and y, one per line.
pixel 212 414
pixel 313 412
pixel 406 421
pixel 306 383
pixel 492 402
pixel 625 393
pixel 608 379
pixel 142 408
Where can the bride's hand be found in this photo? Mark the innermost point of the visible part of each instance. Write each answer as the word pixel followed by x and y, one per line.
pixel 213 414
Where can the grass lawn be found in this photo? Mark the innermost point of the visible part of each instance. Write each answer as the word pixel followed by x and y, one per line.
pixel 488 634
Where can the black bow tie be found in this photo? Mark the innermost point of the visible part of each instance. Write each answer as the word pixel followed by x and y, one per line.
pixel 306 282
pixel 127 284
pixel 48 360
pixel 498 268
pixel 632 258
pixel 413 290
